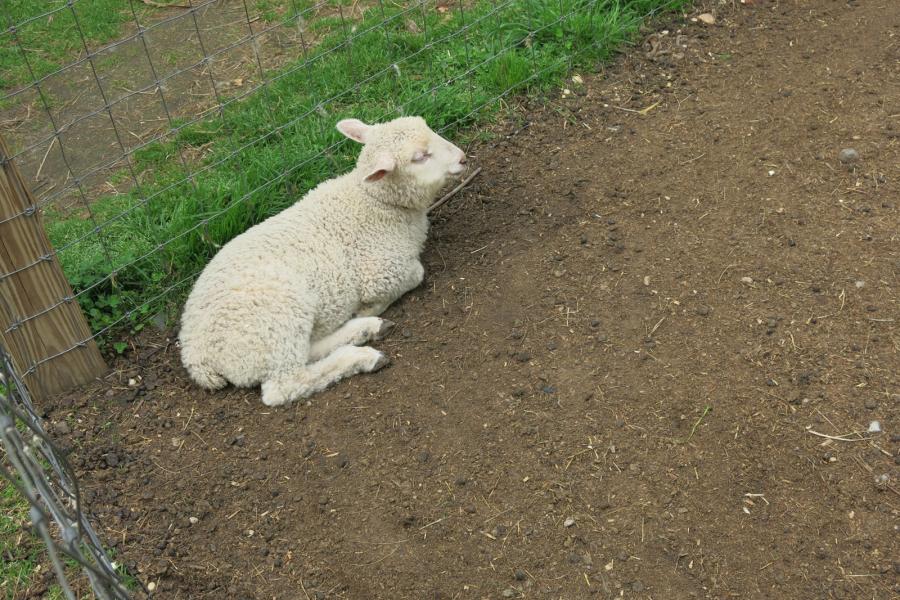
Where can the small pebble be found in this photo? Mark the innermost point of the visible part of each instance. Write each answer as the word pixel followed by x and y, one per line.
pixel 871 403
pixel 193 520
pixel 874 427
pixel 746 280
pixel 569 522
pixel 508 593
pixel 151 586
pixel 519 575
pixel 848 156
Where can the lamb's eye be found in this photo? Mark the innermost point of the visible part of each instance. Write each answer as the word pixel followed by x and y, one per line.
pixel 421 156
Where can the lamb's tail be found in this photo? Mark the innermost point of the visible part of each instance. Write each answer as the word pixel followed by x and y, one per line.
pixel 205 377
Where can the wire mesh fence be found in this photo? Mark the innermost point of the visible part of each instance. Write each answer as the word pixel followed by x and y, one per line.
pixel 151 132
pixel 39 472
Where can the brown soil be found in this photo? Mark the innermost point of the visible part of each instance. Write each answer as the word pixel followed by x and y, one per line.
pixel 632 325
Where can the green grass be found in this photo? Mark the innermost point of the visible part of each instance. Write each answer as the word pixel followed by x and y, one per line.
pixel 53 40
pixel 245 179
pixel 20 553
pixel 17 560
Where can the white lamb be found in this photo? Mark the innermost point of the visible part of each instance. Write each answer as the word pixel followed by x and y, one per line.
pixel 288 303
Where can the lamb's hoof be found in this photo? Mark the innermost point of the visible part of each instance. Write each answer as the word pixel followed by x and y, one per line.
pixel 382 362
pixel 386 327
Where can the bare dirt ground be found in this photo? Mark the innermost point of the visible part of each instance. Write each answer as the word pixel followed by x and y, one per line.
pixel 635 332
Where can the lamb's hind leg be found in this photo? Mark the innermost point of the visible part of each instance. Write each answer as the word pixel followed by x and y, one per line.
pixel 354 332
pixel 302 382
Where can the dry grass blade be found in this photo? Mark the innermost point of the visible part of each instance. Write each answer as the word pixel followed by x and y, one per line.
pixel 839 438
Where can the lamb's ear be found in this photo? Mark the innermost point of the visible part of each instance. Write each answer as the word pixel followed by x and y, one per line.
pixel 384 165
pixel 354 129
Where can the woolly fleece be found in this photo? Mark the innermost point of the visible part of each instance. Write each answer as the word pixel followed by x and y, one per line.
pixel 286 303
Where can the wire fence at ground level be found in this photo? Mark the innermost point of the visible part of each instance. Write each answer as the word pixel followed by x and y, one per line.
pixel 42 476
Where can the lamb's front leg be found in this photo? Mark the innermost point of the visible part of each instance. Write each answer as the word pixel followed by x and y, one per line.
pixel 303 381
pixel 410 280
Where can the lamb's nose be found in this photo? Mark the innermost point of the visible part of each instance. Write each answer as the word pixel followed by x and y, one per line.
pixel 462 160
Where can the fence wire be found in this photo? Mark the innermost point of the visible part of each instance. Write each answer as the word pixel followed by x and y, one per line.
pixel 124 143
pixel 39 472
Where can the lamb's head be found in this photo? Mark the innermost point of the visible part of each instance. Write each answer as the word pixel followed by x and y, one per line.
pixel 404 153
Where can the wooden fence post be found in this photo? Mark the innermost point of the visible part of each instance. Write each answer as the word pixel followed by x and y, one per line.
pixel 60 332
